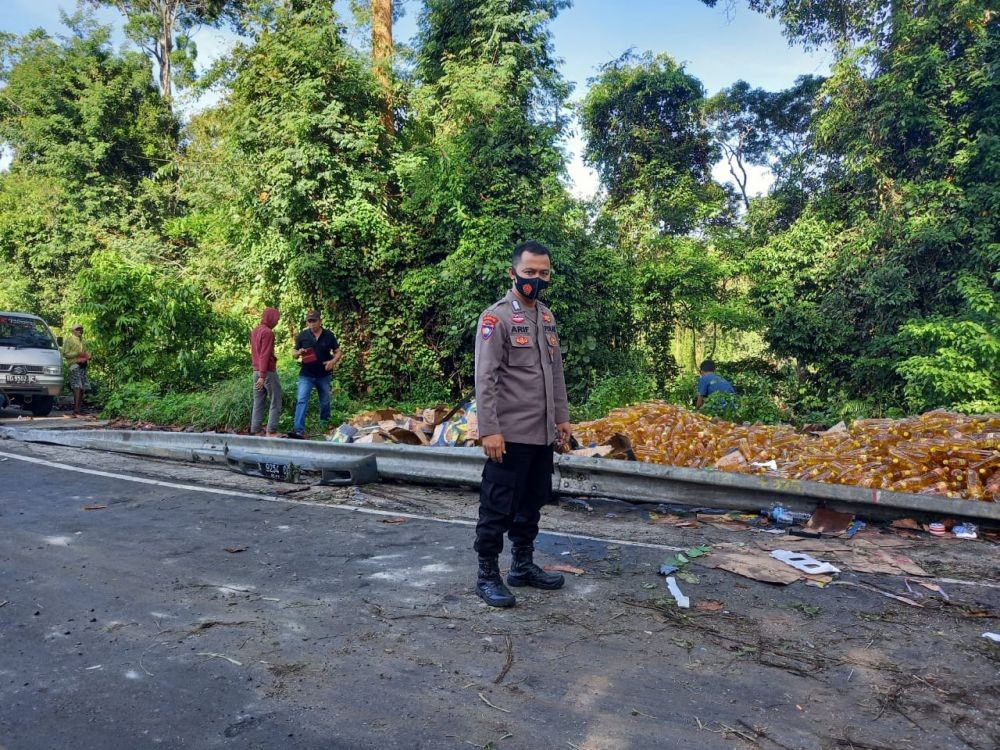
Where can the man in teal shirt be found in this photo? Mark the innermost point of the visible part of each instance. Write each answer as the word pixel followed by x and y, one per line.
pixel 710 383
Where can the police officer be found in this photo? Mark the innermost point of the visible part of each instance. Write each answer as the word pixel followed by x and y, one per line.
pixel 522 411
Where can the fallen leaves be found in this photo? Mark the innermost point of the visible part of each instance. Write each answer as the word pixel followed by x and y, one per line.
pixel 234 550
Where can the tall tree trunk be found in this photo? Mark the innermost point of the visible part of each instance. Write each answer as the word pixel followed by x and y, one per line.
pixel 382 56
pixel 165 47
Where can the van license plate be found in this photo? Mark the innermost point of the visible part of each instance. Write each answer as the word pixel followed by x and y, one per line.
pixel 20 379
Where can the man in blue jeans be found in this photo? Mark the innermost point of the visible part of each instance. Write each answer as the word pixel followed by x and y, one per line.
pixel 318 353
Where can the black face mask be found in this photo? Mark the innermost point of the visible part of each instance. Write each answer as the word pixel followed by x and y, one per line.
pixel 529 288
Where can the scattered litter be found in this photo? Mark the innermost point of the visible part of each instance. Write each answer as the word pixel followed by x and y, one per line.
pixel 783 516
pixel 803 562
pixel 394 519
pixel 575 503
pixel 820 582
pixel 889 594
pixel 96 666
pixel 753 564
pixel 927 585
pixel 221 656
pixel 678 561
pixel 682 601
pixel 966 531
pixel 826 521
pixel 666 569
pixel 937 529
pixel 560 568
pixel 995 637
pixel 853 529
pixel 567 552
pixel 94 507
pixel 611 515
pixel 906 523
pixel 234 550
pixel 709 606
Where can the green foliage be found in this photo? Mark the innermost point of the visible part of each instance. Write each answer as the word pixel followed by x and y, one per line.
pixel 959 363
pixel 871 281
pixel 645 137
pixel 89 135
pixel 148 324
pixel 633 384
pixel 870 269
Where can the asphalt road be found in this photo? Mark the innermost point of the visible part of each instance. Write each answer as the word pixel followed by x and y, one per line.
pixel 176 617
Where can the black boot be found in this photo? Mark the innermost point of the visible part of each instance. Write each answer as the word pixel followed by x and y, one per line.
pixel 490 586
pixel 524 572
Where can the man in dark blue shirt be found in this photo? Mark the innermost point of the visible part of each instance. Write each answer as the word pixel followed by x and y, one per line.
pixel 318 353
pixel 710 383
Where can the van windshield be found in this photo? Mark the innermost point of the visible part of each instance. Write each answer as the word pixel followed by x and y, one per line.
pixel 25 333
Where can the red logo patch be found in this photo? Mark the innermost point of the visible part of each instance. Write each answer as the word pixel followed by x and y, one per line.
pixel 517 318
pixel 490 320
pixel 522 341
pixel 553 340
pixel 526 288
pixel 546 317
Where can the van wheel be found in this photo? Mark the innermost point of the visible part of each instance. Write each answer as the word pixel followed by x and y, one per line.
pixel 41 406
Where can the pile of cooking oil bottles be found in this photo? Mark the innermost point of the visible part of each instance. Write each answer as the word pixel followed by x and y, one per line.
pixel 939 452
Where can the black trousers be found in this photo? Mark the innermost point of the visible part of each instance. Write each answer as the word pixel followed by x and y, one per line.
pixel 511 497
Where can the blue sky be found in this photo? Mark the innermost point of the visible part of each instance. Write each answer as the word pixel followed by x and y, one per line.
pixel 718 45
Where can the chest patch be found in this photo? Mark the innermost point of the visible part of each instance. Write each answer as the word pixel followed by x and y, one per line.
pixel 517 318
pixel 520 329
pixel 522 341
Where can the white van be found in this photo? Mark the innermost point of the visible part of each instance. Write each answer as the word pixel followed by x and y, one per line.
pixel 31 367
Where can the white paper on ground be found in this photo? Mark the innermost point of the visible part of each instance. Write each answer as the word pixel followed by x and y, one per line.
pixel 803 562
pixel 682 601
pixel 995 637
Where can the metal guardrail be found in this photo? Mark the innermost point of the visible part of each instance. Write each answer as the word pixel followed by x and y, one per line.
pixel 626 480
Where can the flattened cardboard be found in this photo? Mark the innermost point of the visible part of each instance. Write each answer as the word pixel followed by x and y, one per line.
pixel 826 521
pixel 752 564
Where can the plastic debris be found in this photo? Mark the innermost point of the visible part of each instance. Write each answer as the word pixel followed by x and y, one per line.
pixel 966 531
pixel 854 528
pixel 995 637
pixel 666 570
pixel 937 529
pixel 938 453
pixel 682 601
pixel 803 562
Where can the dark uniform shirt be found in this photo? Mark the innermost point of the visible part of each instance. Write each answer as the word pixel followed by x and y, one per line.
pixel 324 346
pixel 520 387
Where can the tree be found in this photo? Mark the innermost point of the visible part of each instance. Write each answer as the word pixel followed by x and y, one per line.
pixel 382 55
pixel 763 128
pixel 901 274
pixel 644 135
pixel 90 136
pixel 162 29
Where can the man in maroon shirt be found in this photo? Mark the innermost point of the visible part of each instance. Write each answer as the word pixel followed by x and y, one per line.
pixel 265 373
